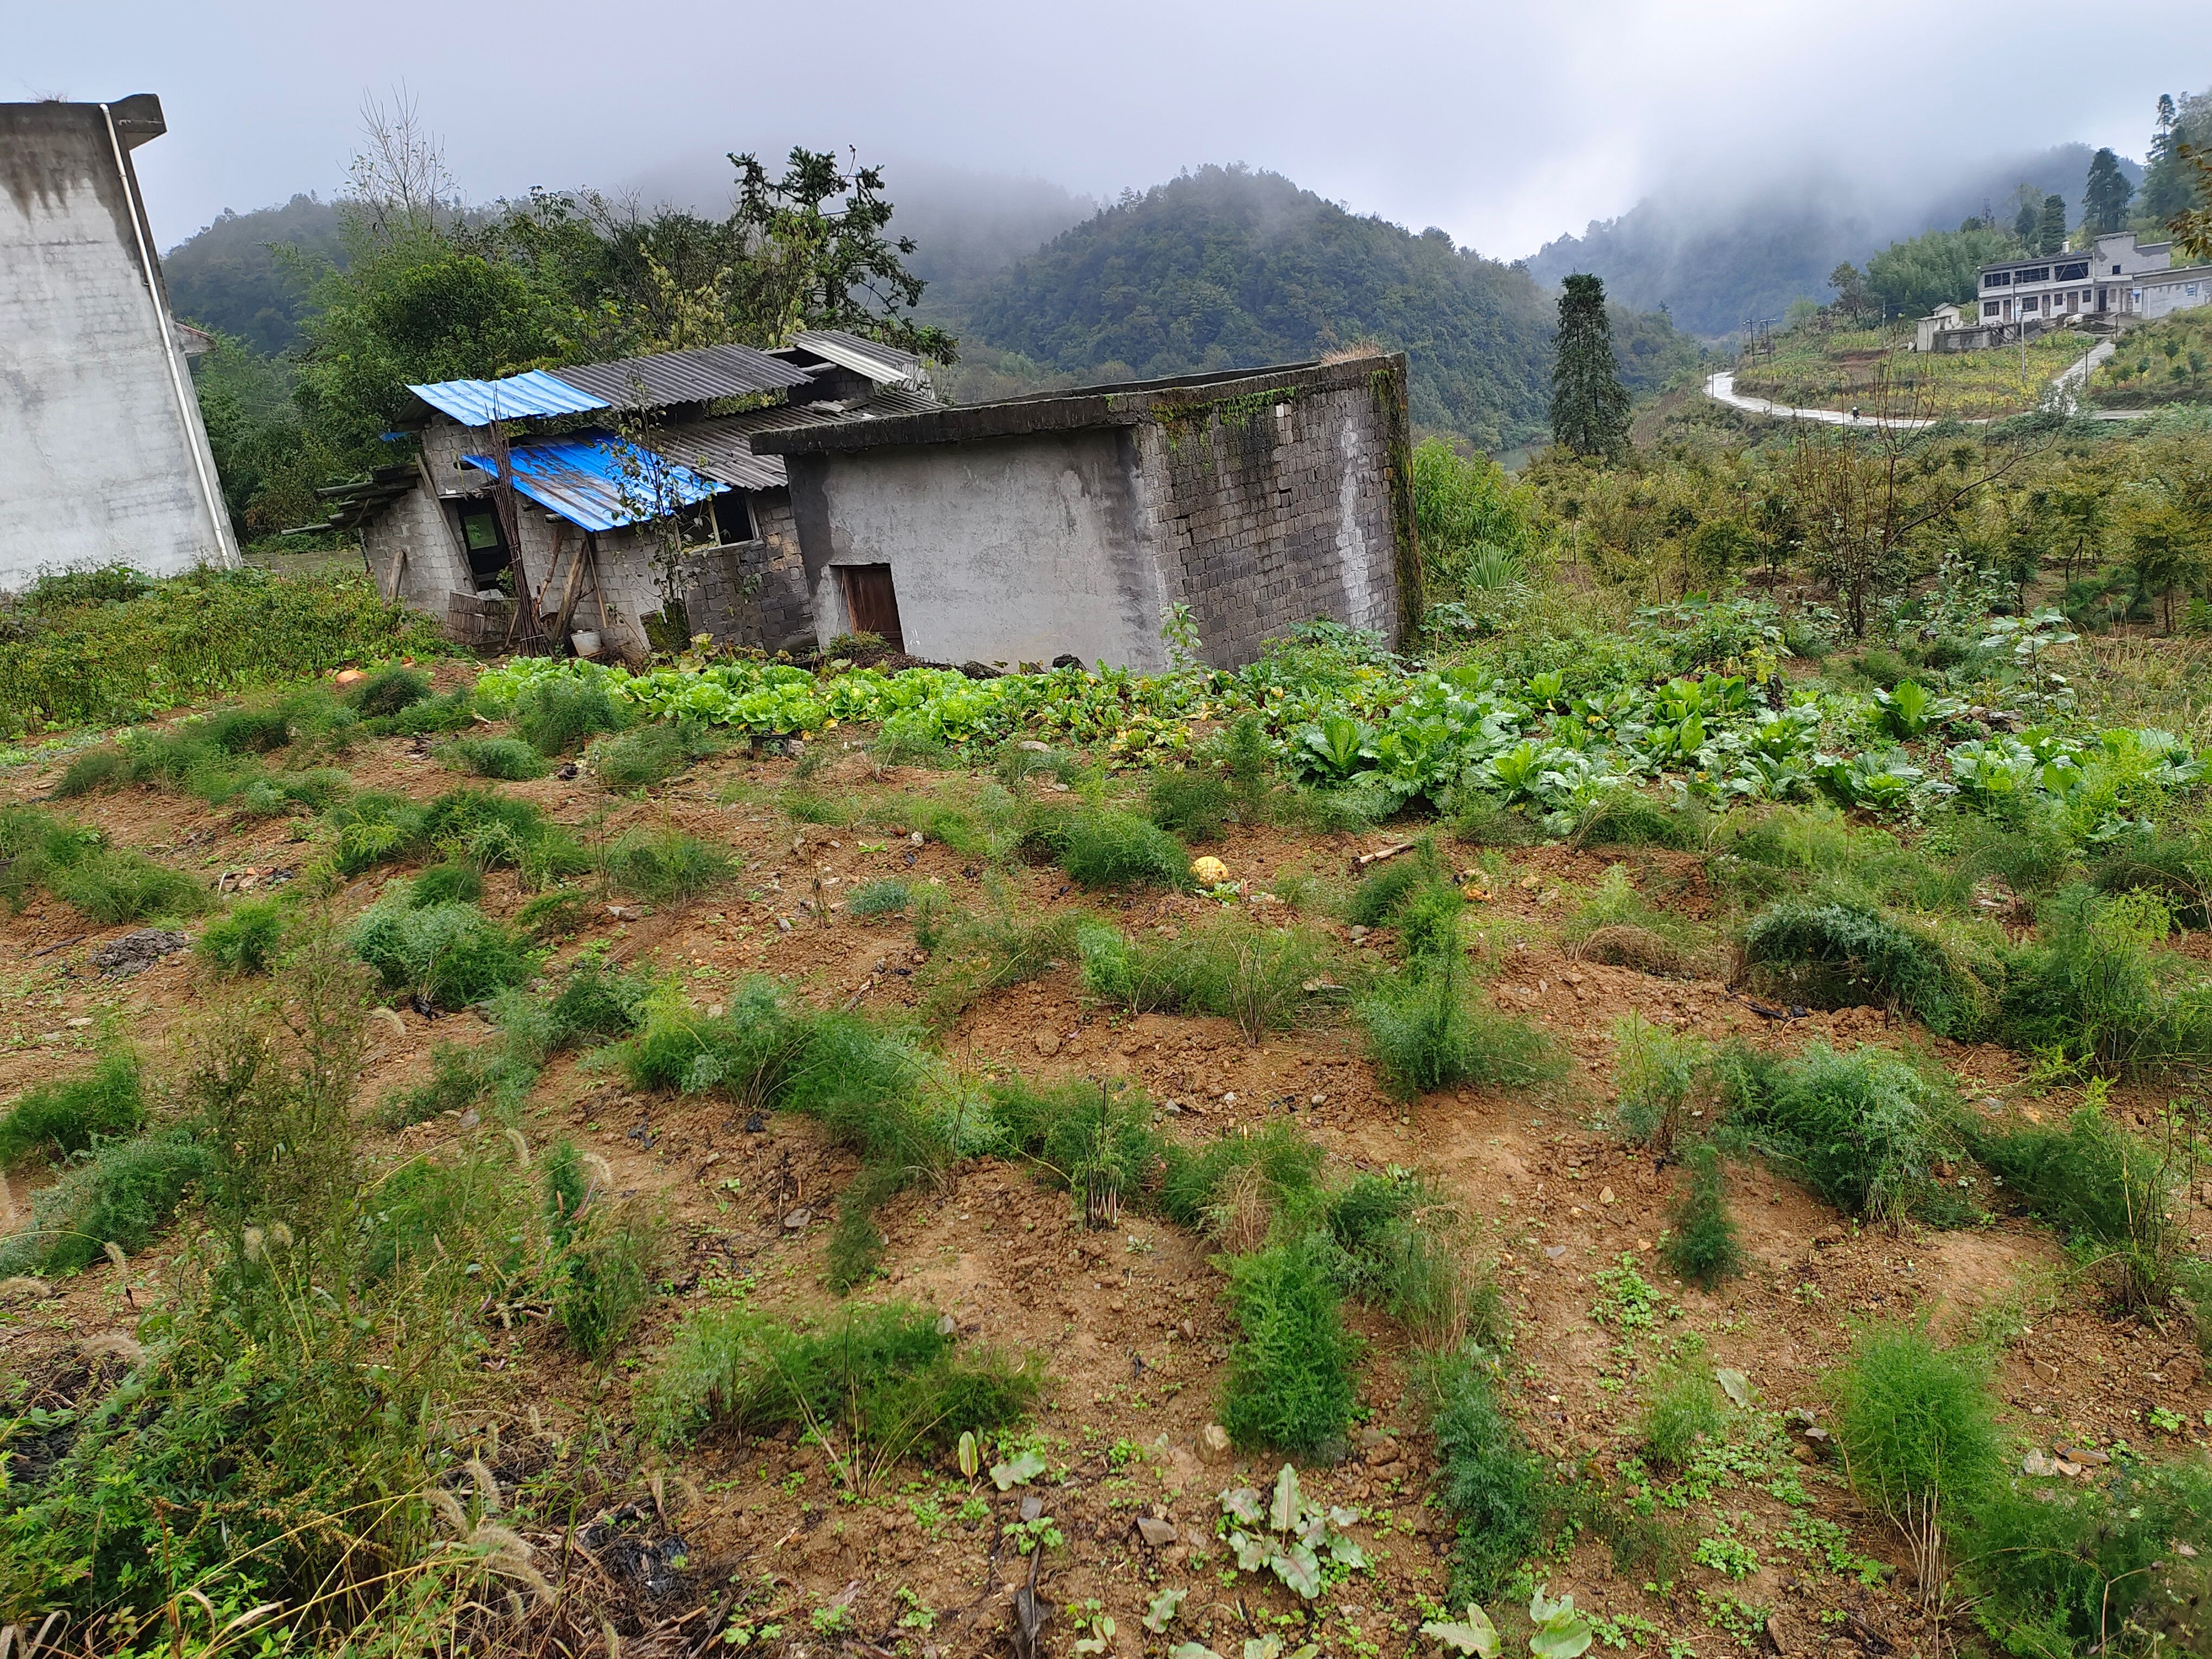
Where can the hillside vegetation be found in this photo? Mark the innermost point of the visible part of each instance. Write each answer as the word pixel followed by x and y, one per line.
pixel 1225 267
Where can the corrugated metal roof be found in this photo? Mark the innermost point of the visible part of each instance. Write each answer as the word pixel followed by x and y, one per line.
pixel 885 365
pixel 599 481
pixel 479 403
pixel 697 376
pixel 721 446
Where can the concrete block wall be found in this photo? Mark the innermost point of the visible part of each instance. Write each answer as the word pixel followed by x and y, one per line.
pixel 1275 511
pixel 754 594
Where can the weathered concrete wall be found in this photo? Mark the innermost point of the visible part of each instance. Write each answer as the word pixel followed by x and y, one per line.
pixel 1021 531
pixel 1001 549
pixel 102 457
pixel 1278 510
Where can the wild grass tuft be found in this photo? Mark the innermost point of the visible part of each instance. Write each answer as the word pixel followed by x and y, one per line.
pixel 125 1194
pixel 1702 1243
pixel 509 760
pixel 666 865
pixel 1843 952
pixel 1656 1070
pixel 554 714
pixel 448 955
pixel 973 956
pixel 2098 987
pixel 1193 804
pixel 1426 1034
pixel 1254 974
pixel 72 1114
pixel 1102 848
pixel 387 691
pixel 886 896
pixel 639 759
pixel 1488 1478
pixel 872 1383
pixel 606 1254
pixel 74 863
pixel 1684 1410
pixel 1292 1373
pixel 1617 925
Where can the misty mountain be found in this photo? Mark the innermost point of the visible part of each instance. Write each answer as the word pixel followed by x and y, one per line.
pixel 227 277
pixel 1224 267
pixel 1712 265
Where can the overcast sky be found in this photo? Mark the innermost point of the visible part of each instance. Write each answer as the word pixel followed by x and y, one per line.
pixel 1505 123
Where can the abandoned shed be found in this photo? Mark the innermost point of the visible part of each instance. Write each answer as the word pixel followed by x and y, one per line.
pixel 1070 522
pixel 624 484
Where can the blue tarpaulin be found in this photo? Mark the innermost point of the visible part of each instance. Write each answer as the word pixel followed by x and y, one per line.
pixel 598 480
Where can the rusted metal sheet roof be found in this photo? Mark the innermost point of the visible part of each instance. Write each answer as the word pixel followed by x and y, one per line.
pixel 600 480
pixel 722 447
pixel 885 365
pixel 479 403
pixel 697 376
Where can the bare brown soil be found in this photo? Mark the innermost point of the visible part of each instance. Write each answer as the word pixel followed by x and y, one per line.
pixel 1131 1324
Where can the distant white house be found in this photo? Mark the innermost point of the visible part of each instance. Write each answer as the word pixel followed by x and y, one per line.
pixel 1944 319
pixel 2115 276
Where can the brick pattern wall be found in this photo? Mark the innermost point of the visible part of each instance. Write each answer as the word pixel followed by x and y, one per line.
pixel 1271 512
pixel 754 594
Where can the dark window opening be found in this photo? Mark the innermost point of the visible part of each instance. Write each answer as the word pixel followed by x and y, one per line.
pixel 733 517
pixel 2072 273
pixel 484 542
pixel 1996 279
pixel 871 604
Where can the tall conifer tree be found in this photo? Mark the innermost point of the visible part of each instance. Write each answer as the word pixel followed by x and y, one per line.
pixel 1590 405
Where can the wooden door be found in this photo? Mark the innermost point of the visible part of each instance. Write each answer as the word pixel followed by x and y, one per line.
pixel 870 606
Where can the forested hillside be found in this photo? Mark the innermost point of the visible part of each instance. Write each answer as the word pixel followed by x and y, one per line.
pixel 248 274
pixel 1224 267
pixel 1712 265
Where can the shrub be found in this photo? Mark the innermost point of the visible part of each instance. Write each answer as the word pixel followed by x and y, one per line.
pixel 454 711
pixel 2111 1194
pixel 246 731
pixel 2092 988
pixel 1382 893
pixel 72 1114
pixel 596 1004
pixel 446 883
pixel 1488 1478
pixel 387 691
pixel 2060 1571
pixel 1095 1142
pixel 1702 1246
pixel 1918 1435
pixel 1194 805
pixel 411 1212
pixel 245 939
pixel 449 954
pixel 2176 868
pixel 1291 1379
pixel 123 1194
pixel 1254 975
pixel 637 760
pixel 1100 847
pixel 557 914
pixel 1654 1069
pixel 880 1380
pixel 1842 952
pixel 888 897
pixel 510 759
pixel 666 865
pixel 1685 1408
pixel 1424 1034
pixel 555 713
pixel 1863 1129
pixel 1400 1250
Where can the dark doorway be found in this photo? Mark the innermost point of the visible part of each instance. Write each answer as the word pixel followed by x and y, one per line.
pixel 733 517
pixel 870 606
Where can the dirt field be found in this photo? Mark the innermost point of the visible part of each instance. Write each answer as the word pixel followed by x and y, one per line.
pixel 1130 1323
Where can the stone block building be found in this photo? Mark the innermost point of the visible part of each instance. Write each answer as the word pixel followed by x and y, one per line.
pixel 1071 522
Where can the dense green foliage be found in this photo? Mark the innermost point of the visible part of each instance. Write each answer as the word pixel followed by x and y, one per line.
pixel 1225 267
pixel 1290 1373
pixel 1590 405
pixel 72 1114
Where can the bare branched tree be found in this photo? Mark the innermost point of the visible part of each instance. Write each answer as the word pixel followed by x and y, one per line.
pixel 399 184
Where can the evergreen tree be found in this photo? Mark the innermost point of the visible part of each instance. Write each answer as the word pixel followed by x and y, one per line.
pixel 2024 223
pixel 2105 198
pixel 1590 405
pixel 2050 226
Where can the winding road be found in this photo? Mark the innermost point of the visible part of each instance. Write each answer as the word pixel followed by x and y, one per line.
pixel 1720 388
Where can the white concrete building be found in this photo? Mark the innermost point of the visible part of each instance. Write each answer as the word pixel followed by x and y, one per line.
pixel 2115 276
pixel 103 459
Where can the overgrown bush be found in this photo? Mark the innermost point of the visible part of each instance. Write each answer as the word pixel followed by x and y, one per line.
pixel 1488 1478
pixel 1291 1377
pixel 71 1114
pixel 1919 1437
pixel 245 939
pixel 126 1193
pixel 2114 1195
pixel 875 1382
pixel 509 760
pixel 1425 1034
pixel 2094 987
pixel 1863 1129
pixel 449 954
pixel 1840 952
